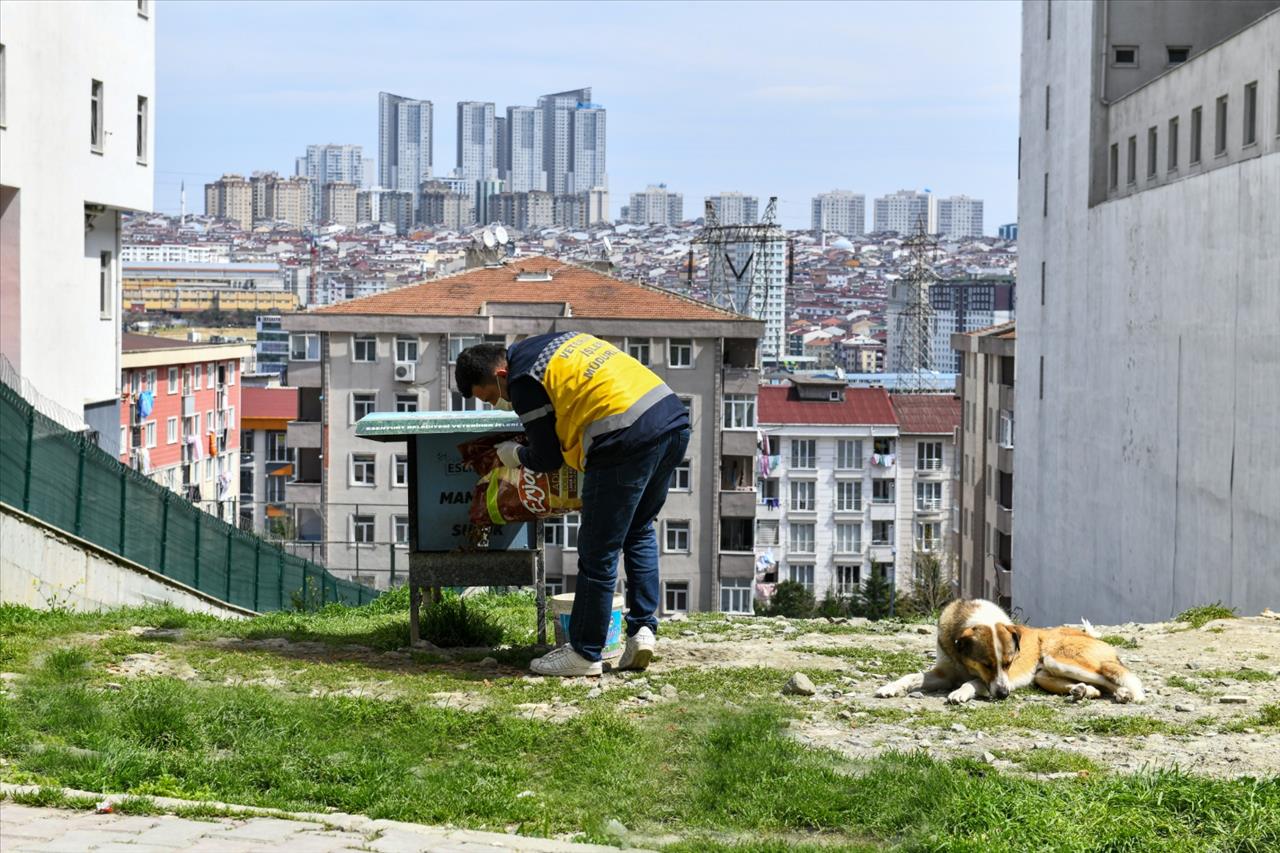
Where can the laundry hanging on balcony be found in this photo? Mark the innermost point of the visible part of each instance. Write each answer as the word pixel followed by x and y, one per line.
pixel 146 402
pixel 194 442
pixel 213 444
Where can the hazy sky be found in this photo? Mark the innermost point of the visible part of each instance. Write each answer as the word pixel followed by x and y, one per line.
pixel 786 99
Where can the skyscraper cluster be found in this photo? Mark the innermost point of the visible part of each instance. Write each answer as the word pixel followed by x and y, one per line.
pixel 903 212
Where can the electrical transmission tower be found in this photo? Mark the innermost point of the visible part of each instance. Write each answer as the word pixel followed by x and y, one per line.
pixel 739 269
pixel 913 322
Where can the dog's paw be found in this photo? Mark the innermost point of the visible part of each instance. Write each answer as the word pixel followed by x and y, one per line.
pixel 890 691
pixel 1124 696
pixel 1080 692
pixel 959 696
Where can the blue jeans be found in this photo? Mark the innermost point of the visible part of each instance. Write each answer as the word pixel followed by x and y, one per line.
pixel 619 504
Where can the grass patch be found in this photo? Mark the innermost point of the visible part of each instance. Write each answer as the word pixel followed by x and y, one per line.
pixel 1197 617
pixel 1268 717
pixel 1188 685
pixel 1051 760
pixel 871 660
pixel 1121 642
pixel 1242 674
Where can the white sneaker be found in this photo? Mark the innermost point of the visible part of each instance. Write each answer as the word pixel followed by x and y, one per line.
pixel 564 661
pixel 639 650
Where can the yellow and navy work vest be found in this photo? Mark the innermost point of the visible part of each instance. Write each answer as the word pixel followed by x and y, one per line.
pixel 594 387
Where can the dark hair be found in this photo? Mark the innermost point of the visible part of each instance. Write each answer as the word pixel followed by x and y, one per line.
pixel 476 366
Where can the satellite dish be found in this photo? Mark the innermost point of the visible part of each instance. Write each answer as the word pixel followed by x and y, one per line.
pixel 608 247
pixel 501 234
pixel 488 238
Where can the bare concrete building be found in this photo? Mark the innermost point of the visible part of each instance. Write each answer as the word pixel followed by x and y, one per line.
pixel 395 352
pixel 230 198
pixel 982 511
pixel 1148 209
pixel 338 203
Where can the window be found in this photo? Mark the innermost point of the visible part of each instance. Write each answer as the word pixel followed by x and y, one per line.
pixel 555 586
pixel 1124 56
pixel 1220 128
pixel 882 490
pixel 172 380
pixel 406 402
pixel 801 573
pixel 152 385
pixel 95 116
pixel 406 350
pixel 457 343
pixel 1178 55
pixel 1197 121
pixel 1006 428
pixel 803 495
pixel 142 130
pixel 304 347
pixel 363 468
pixel 1131 174
pixel 171 431
pixel 1250 113
pixel 1171 160
pixel 679 478
pixel 802 453
pixel 1152 145
pixel 361 405
pixel 848 578
pixel 246 445
pixel 676 536
pixel 929 456
pixel 210 375
pixel 364 348
pixel 676 596
pixel 400 470
pixel 1115 165
pixel 277 446
pixel 1 85
pixel 638 348
pixel 680 352
pixel 459 403
pixel 362 529
pixel 928 536
pixel 151 434
pixel 929 496
pixel 739 411
pixel 124 438
pixel 553 533
pixel 849 496
pixel 849 453
pixel 106 285
pixel 275 489
pixel 231 373
pixel 143 8
pixel 400 530
pixel 848 538
pixel 882 533
pixel 802 537
pixel 735 595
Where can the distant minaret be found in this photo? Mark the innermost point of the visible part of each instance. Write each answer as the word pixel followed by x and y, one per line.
pixel 182 201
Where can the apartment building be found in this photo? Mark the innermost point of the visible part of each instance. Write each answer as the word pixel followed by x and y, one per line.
pixel 853 481
pixel 230 198
pixel 395 352
pixel 657 205
pixel 982 509
pixel 839 211
pixel 735 208
pixel 178 424
pixel 265 462
pixel 76 131
pixel 1148 358
pixel 904 212
pixel 959 216
pixel 338 203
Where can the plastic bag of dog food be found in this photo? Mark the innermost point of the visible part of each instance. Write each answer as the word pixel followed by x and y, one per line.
pixel 515 495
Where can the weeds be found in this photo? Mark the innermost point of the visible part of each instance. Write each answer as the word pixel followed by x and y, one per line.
pixel 1197 617
pixel 1242 674
pixel 1121 642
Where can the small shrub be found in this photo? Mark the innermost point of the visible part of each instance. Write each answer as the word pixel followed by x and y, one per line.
pixel 1197 617
pixel 834 606
pixel 875 599
pixel 792 600
pixel 1121 642
pixel 448 622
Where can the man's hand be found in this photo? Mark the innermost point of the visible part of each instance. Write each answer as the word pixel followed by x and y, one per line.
pixel 509 454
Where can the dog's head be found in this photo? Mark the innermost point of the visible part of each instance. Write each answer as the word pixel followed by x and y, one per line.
pixel 987 652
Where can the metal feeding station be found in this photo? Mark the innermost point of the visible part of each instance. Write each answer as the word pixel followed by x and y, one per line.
pixel 443 546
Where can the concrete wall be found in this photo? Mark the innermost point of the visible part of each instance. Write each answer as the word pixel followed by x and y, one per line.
pixel 41 567
pixel 52 52
pixel 1146 469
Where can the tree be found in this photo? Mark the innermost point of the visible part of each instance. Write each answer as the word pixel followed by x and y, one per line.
pixel 791 599
pixel 931 586
pixel 876 595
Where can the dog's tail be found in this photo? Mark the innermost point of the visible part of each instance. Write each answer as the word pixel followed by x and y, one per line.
pixel 1089 629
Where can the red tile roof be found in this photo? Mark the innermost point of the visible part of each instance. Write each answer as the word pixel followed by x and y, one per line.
pixel 131 342
pixel 589 294
pixel 931 414
pixel 277 403
pixel 778 404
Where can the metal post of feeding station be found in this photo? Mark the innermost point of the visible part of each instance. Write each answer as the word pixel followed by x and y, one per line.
pixel 441 551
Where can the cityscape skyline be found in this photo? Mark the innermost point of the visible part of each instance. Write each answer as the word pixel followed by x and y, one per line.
pixel 809 137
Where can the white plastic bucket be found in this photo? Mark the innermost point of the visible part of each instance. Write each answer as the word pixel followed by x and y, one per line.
pixel 615 639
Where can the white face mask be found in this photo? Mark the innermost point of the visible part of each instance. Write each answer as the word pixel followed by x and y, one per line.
pixel 502 405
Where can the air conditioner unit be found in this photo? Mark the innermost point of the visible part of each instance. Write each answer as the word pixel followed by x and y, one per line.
pixel 406 372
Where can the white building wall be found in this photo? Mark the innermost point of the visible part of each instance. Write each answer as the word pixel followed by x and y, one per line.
pixel 64 345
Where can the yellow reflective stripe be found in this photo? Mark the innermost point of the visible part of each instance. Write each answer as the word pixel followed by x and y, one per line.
pixel 491 500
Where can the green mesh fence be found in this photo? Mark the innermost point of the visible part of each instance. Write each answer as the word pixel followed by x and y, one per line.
pixel 63 479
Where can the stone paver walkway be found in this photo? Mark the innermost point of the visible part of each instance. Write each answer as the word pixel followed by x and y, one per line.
pixel 29 829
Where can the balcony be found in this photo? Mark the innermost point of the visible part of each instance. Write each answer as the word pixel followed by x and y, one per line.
pixel 738 442
pixel 883 511
pixel 1004 520
pixel 737 535
pixel 737 565
pixel 881 552
pixel 303 434
pixel 305 374
pixel 741 380
pixel 768 508
pixel 1004 581
pixel 738 503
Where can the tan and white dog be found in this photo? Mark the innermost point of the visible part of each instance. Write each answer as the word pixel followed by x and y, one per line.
pixel 981 652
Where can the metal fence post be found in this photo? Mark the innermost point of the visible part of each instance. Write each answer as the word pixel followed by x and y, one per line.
pixel 392 579
pixel 124 492
pixel 257 571
pixel 80 488
pixel 164 531
pixel 196 549
pixel 229 536
pixel 31 453
pixel 280 580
